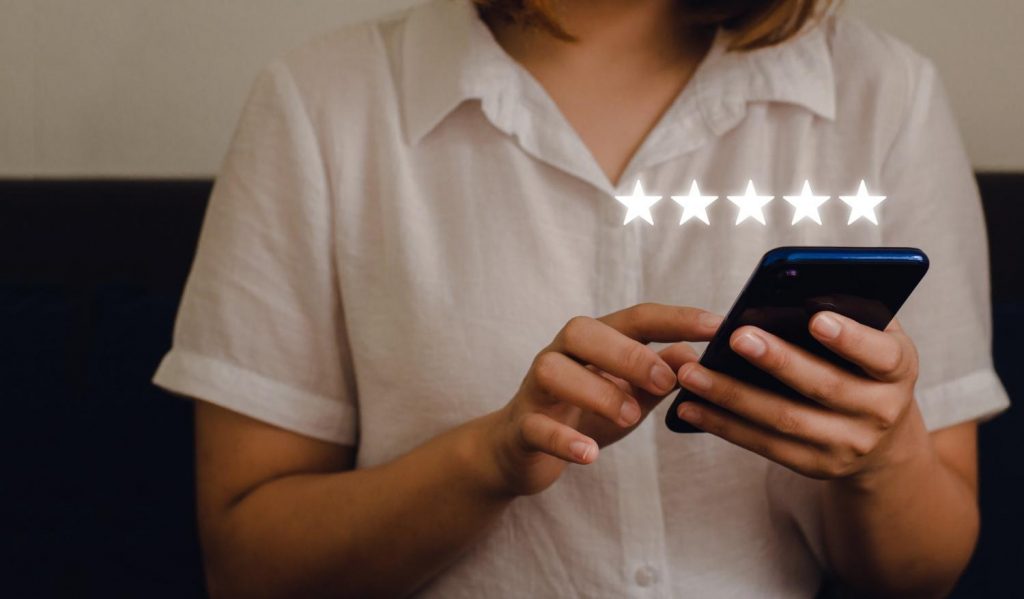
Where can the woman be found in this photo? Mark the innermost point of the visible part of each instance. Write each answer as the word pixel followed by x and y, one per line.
pixel 389 320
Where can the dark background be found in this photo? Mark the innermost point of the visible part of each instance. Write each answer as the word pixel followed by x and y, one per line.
pixel 101 498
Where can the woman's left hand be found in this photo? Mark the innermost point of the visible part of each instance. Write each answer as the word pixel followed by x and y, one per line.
pixel 855 425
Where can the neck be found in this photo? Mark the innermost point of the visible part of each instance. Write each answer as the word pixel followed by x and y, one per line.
pixel 643 34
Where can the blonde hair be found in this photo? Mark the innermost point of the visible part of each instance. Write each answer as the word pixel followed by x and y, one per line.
pixel 754 23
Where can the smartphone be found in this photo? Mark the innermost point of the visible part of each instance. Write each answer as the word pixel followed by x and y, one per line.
pixel 791 284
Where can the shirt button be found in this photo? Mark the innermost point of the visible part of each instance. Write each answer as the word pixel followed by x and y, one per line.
pixel 645 576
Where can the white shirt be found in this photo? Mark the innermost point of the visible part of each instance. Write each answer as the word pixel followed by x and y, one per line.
pixel 404 219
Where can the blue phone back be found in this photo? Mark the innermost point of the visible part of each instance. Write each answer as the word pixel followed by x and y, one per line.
pixel 791 284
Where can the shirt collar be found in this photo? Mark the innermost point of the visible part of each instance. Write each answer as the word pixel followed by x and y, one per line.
pixel 448 55
pixel 797 72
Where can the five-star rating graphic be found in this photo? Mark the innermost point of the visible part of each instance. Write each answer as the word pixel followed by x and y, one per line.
pixel 807 204
pixel 694 205
pixel 750 205
pixel 638 204
pixel 862 204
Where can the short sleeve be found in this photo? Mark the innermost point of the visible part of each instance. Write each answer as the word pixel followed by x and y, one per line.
pixel 933 204
pixel 261 328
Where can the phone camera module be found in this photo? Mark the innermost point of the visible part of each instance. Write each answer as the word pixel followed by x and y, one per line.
pixel 785 281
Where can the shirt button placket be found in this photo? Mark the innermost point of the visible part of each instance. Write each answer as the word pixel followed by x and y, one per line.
pixel 645 576
pixel 640 511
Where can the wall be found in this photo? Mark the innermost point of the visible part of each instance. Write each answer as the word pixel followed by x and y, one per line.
pixel 980 53
pixel 147 88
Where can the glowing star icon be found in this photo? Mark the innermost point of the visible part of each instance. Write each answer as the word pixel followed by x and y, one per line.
pixel 638 205
pixel 806 204
pixel 750 204
pixel 694 205
pixel 862 204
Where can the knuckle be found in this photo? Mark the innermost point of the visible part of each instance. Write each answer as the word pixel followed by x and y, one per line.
pixel 861 444
pixel 838 464
pixel 644 310
pixel 688 314
pixel 827 388
pixel 575 330
pixel 845 465
pixel 890 363
pixel 609 399
pixel 634 358
pixel 886 415
pixel 788 423
pixel 639 314
pixel 545 368
pixel 553 438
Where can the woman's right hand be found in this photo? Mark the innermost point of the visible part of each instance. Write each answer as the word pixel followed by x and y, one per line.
pixel 590 387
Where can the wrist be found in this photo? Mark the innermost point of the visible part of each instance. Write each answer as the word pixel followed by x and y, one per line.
pixel 480 452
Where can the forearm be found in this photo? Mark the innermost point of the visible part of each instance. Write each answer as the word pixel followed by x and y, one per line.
pixel 379 531
pixel 909 531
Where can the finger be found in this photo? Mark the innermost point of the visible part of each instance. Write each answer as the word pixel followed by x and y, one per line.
pixel 659 322
pixel 885 355
pixel 777 448
pixel 894 326
pixel 621 384
pixel 675 356
pixel 678 354
pixel 807 374
pixel 594 342
pixel 563 379
pixel 803 422
pixel 543 433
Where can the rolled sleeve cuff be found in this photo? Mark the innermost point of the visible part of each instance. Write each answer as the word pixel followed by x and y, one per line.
pixel 254 395
pixel 976 396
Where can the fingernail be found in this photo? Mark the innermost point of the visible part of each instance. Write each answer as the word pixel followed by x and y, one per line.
pixel 750 345
pixel 580 450
pixel 695 379
pixel 688 412
pixel 662 377
pixel 826 326
pixel 629 413
pixel 710 319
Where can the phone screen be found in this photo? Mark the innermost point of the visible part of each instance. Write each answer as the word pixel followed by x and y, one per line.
pixel 792 284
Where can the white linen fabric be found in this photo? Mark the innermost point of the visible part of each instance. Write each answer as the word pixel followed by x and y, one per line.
pixel 404 219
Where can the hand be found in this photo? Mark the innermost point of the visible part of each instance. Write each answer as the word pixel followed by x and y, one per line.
pixel 594 383
pixel 854 425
